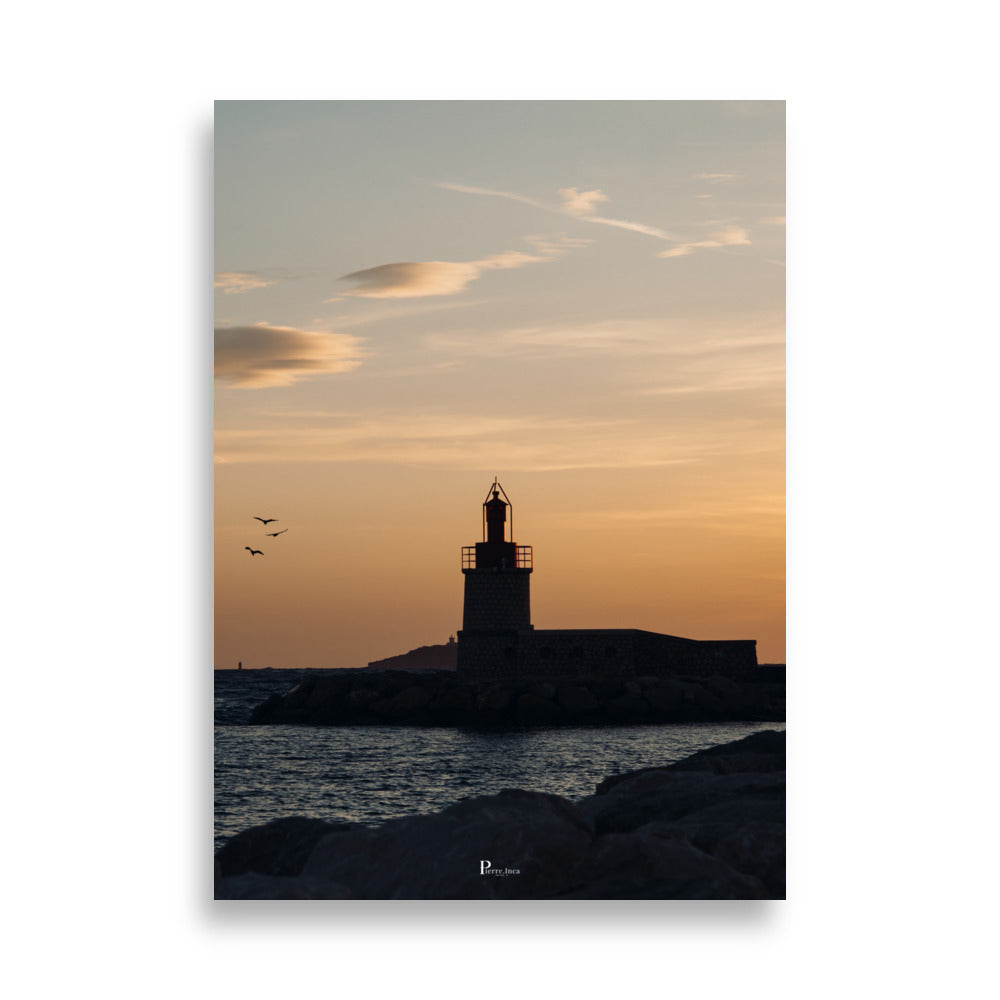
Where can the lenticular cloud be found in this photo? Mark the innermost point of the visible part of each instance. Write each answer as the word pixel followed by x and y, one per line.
pixel 258 357
pixel 416 279
pixel 411 280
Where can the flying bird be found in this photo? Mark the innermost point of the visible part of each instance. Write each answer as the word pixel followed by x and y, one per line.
pixel 274 534
pixel 253 552
pixel 264 520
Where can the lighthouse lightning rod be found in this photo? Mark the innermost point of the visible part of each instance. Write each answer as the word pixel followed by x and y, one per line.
pixel 496 486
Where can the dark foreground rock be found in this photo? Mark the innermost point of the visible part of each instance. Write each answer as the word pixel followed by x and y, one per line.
pixel 280 847
pixel 442 698
pixel 711 826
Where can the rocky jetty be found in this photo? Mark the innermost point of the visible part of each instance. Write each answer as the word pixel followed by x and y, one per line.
pixel 711 826
pixel 442 698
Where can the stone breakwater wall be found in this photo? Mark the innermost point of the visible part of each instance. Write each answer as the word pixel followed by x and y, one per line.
pixel 441 698
pixel 505 653
pixel 711 826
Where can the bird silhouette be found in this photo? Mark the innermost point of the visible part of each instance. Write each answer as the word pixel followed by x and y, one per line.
pixel 274 534
pixel 264 520
pixel 253 552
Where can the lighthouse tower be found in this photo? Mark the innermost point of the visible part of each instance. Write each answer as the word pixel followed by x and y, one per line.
pixel 497 595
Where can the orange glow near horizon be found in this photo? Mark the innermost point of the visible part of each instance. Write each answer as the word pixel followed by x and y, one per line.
pixel 378 572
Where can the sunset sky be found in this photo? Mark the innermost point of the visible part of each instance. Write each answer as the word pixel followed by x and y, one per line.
pixel 585 299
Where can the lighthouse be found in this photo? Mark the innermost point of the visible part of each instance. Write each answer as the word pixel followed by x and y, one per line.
pixel 497 575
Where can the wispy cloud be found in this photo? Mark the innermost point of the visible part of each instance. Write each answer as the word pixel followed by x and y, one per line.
pixel 640 419
pixel 509 195
pixel 745 366
pixel 762 514
pixel 417 279
pixel 531 441
pixel 575 203
pixel 391 311
pixel 620 339
pixel 766 373
pixel 770 506
pixel 717 178
pixel 730 236
pixel 262 356
pixel 237 282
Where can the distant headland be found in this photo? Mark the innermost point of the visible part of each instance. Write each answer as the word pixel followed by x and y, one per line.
pixel 443 656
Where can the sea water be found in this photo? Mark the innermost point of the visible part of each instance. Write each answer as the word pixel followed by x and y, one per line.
pixel 367 774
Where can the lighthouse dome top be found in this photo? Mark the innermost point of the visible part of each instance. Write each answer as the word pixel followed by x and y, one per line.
pixel 495 490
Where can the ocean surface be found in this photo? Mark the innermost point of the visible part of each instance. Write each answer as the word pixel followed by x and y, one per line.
pixel 367 774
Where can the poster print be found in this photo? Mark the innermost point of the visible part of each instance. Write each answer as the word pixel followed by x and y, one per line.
pixel 499 494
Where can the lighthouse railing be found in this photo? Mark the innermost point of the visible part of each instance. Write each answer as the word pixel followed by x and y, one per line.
pixel 522 557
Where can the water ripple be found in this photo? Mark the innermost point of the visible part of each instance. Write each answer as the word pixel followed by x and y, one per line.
pixel 368 774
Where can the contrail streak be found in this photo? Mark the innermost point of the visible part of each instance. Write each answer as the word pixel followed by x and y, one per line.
pixel 636 227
